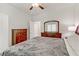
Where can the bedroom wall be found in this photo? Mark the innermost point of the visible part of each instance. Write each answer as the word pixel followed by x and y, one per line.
pixel 17 19
pixel 3 32
pixel 66 14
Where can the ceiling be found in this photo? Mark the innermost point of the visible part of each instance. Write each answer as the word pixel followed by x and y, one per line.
pixel 22 6
pixel 48 7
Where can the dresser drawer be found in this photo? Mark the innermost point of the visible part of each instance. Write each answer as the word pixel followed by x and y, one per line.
pixel 54 35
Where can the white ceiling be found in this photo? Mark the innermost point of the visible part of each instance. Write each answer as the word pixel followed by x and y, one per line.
pixel 49 8
pixel 22 6
pixel 26 6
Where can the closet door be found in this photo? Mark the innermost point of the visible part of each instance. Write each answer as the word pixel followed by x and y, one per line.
pixel 35 29
pixel 4 41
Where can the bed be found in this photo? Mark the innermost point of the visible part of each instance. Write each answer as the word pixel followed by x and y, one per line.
pixel 38 46
pixel 72 42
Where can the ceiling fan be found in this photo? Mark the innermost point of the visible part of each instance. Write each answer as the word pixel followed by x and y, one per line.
pixel 36 5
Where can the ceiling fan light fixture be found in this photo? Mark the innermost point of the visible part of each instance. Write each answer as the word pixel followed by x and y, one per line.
pixel 35 4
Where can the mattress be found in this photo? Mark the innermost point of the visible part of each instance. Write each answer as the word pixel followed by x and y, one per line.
pixel 72 44
pixel 38 46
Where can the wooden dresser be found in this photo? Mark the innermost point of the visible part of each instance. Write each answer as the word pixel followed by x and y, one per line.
pixel 53 35
pixel 19 35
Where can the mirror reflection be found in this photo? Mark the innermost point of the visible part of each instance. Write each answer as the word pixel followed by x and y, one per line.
pixel 51 26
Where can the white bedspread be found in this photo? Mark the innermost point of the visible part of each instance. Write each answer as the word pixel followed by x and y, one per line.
pixel 38 46
pixel 72 43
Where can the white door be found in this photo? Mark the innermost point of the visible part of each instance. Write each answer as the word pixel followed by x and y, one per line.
pixel 4 41
pixel 35 29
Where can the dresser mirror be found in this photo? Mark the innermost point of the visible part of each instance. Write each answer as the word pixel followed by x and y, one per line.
pixel 51 26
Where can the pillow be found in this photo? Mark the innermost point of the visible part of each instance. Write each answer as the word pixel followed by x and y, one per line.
pixel 68 34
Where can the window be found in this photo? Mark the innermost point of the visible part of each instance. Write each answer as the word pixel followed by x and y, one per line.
pixel 51 28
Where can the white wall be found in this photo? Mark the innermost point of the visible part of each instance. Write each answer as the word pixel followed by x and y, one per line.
pixel 3 32
pixel 17 18
pixel 66 14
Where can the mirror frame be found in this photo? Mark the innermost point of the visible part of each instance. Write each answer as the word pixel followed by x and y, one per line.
pixel 52 22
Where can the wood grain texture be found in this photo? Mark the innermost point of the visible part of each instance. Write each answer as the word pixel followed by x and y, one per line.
pixel 18 35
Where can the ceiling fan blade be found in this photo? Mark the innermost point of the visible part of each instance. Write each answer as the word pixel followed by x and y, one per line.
pixel 31 7
pixel 41 7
